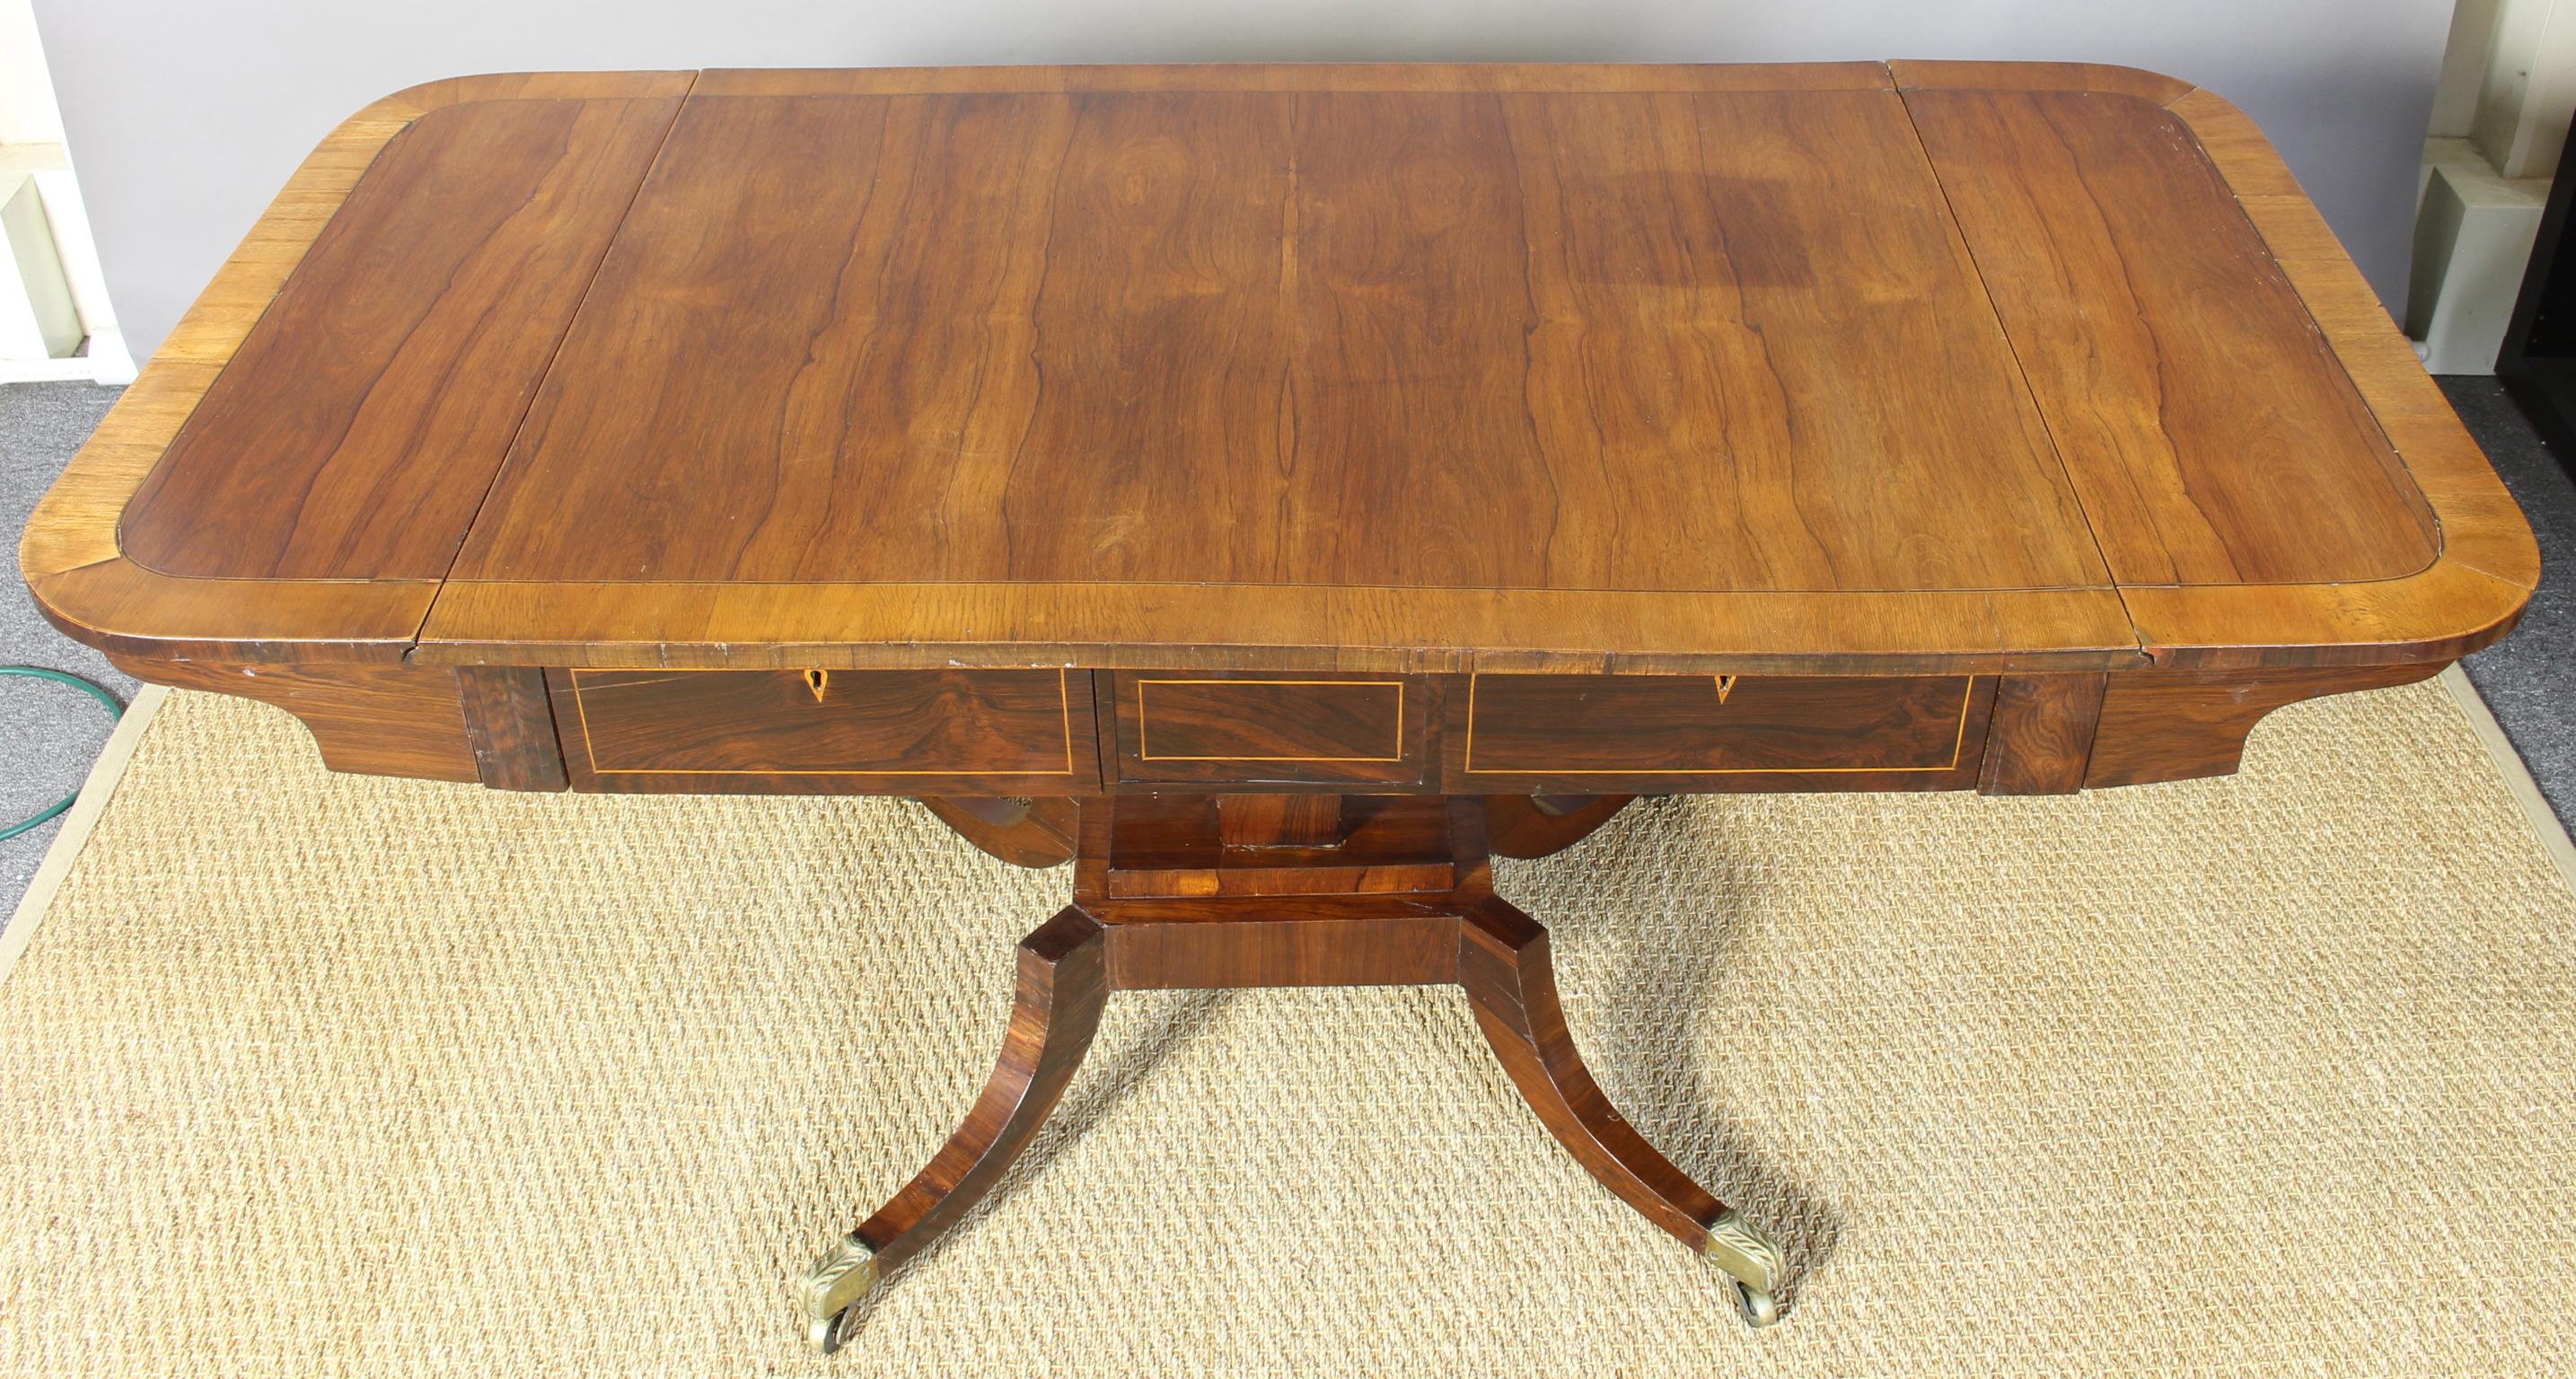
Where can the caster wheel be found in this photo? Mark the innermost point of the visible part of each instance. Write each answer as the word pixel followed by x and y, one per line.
pixel 1753 1260
pixel 824 1334
pixel 1759 1308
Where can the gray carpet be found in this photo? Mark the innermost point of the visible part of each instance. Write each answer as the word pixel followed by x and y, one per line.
pixel 2529 678
pixel 50 733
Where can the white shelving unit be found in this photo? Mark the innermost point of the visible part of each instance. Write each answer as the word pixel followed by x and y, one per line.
pixel 2500 117
pixel 55 321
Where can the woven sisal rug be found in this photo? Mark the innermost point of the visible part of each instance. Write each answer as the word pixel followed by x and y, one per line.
pixel 311 1075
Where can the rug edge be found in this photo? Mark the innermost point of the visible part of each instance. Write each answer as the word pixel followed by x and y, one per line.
pixel 2518 780
pixel 97 788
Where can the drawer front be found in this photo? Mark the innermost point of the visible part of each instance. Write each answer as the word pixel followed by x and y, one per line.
pixel 965 732
pixel 1703 732
pixel 1255 729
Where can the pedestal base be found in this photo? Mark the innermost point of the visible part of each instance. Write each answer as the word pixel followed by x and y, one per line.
pixel 1283 890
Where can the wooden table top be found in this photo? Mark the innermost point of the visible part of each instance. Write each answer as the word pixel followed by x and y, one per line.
pixel 1879 367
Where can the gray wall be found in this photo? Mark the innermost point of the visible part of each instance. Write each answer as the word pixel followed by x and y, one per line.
pixel 184 116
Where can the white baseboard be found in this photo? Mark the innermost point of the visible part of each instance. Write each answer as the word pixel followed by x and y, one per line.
pixel 74 369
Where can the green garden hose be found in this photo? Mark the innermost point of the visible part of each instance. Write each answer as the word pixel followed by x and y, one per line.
pixel 115 710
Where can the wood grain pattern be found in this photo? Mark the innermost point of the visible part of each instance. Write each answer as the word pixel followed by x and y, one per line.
pixel 1321 730
pixel 2040 734
pixel 756 324
pixel 1280 820
pixel 2232 143
pixel 1024 832
pixel 1555 732
pixel 380 404
pixel 1912 75
pixel 72 553
pixel 2020 426
pixel 1159 861
pixel 1215 627
pixel 125 609
pixel 888 732
pixel 1356 368
pixel 2179 725
pixel 512 727
pixel 1185 846
pixel 2489 562
pixel 1061 989
pixel 1310 297
pixel 2212 433
pixel 1253 719
pixel 1503 962
pixel 1423 629
pixel 1336 292
pixel 370 719
pixel 1543 825
pixel 1357 940
pixel 1788 383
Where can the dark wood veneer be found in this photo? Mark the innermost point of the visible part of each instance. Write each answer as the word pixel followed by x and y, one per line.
pixel 2108 242
pixel 512 727
pixel 1418 370
pixel 991 731
pixel 371 719
pixel 1653 733
pixel 2041 734
pixel 1243 719
pixel 1542 825
pixel 1326 730
pixel 1024 832
pixel 2177 725
pixel 1408 320
pixel 414 331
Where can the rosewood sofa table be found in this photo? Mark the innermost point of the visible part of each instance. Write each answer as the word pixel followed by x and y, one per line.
pixel 1276 489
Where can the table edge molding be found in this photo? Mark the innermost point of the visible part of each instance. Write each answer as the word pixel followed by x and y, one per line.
pixel 2486 568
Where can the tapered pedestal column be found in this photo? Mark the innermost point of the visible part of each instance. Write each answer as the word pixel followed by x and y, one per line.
pixel 1284 890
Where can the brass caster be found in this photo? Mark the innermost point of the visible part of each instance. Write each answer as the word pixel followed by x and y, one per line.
pixel 824 1335
pixel 837 1280
pixel 1759 1309
pixel 1753 1259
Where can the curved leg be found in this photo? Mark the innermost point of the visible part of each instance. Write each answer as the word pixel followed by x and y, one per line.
pixel 1062 986
pixel 1503 963
pixel 1537 825
pixel 1025 833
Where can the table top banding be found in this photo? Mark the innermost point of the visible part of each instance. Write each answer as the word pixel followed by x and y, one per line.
pixel 1834 368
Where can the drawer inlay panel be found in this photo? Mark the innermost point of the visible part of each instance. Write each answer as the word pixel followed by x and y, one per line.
pixel 847 723
pixel 1559 725
pixel 1269 720
pixel 1288 728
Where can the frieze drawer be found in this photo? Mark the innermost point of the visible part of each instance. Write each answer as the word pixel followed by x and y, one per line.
pixel 1672 732
pixel 961 732
pixel 1293 729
